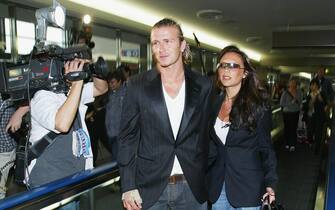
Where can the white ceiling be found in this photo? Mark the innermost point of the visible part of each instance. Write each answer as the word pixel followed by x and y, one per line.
pixel 247 23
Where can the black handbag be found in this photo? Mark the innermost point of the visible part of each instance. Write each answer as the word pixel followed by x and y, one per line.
pixel 273 206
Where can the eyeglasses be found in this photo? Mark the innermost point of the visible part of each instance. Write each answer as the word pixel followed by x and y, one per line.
pixel 229 66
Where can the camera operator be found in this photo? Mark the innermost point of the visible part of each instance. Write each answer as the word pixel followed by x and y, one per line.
pixel 70 151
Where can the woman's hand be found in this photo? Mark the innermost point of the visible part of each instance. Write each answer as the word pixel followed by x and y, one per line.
pixel 271 193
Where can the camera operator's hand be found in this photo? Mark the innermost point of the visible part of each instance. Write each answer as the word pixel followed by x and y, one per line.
pixel 75 65
pixel 67 112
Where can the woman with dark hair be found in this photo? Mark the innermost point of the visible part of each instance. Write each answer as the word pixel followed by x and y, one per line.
pixel 243 169
pixel 315 115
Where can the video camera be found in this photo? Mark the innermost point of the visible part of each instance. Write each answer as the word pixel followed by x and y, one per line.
pixel 45 69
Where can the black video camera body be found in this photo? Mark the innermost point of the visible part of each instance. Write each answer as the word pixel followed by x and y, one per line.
pixel 45 70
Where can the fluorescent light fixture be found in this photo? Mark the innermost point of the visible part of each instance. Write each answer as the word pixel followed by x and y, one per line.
pixel 138 13
pixel 305 75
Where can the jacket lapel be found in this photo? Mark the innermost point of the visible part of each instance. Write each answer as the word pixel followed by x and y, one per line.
pixel 192 93
pixel 155 92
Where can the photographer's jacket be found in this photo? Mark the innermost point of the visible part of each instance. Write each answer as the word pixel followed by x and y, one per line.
pixel 44 107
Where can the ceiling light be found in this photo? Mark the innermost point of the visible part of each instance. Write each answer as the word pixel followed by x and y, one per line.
pixel 210 14
pixel 149 17
pixel 253 39
pixel 87 19
pixel 305 75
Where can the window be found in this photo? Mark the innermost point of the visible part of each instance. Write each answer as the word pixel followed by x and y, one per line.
pixel 104 47
pixel 8 36
pixel 55 36
pixel 25 37
pixel 130 52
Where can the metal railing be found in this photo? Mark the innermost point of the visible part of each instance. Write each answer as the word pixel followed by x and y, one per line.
pixel 61 189
pixel 330 185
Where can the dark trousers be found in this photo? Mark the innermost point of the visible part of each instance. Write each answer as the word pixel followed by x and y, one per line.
pixel 290 127
pixel 316 131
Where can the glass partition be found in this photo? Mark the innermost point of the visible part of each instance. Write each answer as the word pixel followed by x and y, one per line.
pixel 55 36
pixel 133 51
pixel 105 47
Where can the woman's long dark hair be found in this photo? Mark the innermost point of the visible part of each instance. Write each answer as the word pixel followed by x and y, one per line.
pixel 251 100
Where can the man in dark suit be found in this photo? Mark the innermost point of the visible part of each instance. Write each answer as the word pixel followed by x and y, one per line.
pixel 163 141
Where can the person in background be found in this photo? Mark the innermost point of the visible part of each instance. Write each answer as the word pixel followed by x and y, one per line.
pixel 329 94
pixel 325 87
pixel 10 122
pixel 291 101
pixel 315 115
pixel 242 171
pixel 126 71
pixel 163 144
pixel 95 121
pixel 117 91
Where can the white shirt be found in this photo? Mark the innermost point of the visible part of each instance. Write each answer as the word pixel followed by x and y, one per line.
pixel 221 129
pixel 44 106
pixel 175 108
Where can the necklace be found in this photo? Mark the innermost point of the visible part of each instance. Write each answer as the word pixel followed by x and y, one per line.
pixel 225 111
pixel 224 124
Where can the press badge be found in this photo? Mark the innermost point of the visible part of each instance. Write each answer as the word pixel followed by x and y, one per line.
pixel 81 144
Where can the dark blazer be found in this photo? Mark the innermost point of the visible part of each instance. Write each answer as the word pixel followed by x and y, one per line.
pixel 319 115
pixel 146 143
pixel 246 163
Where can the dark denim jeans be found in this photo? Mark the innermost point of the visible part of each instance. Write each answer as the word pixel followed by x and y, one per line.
pixel 178 197
pixel 223 204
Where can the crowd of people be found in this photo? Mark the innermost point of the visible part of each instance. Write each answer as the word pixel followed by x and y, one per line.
pixel 181 140
pixel 311 111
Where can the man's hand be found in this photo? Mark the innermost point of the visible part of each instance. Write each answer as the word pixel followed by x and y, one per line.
pixel 132 200
pixel 14 123
pixel 15 120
